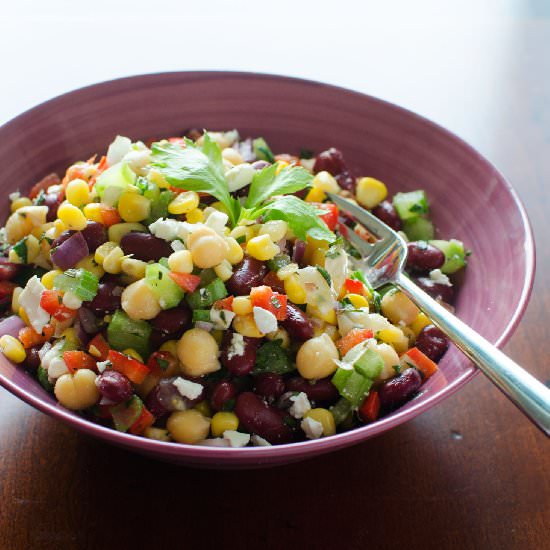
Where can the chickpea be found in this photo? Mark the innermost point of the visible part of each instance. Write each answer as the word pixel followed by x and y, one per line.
pixel 315 357
pixel 198 352
pixel 207 248
pixel 77 391
pixel 139 301
pixel 396 306
pixel 188 426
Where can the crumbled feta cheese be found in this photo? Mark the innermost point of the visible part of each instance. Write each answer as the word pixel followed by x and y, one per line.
pixel 165 229
pixel 29 300
pixel 312 428
pixel 117 149
pixel 236 439
pixel 336 264
pixel 236 346
pixel 14 196
pixel 57 368
pixel 265 320
pixel 188 389
pixel 177 245
pixel 55 189
pixel 437 276
pixel 258 441
pixel 300 405
pixel 217 221
pixel 221 318
pixel 71 300
pixel 102 365
pixel 239 176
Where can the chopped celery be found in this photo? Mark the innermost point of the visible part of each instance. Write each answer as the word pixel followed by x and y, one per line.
pixel 340 378
pixel 279 261
pixel 419 229
pixel 356 388
pixel 118 177
pixel 205 297
pixel 202 315
pixel 341 410
pixel 124 333
pixel 159 206
pixel 42 375
pixel 126 413
pixel 262 150
pixel 455 255
pixel 80 282
pixel 369 364
pixel 411 205
pixel 164 262
pixel 157 278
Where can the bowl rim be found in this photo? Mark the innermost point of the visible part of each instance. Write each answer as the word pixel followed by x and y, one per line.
pixel 316 446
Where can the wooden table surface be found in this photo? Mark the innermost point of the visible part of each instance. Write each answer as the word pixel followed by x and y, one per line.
pixel 470 473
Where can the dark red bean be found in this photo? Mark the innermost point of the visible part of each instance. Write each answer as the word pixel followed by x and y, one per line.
pixel 346 181
pixel 249 273
pixel 8 270
pixel 274 282
pixel 193 133
pixel 398 390
pixel 437 291
pixel 154 403
pixel 259 418
pixel 64 236
pixel 32 361
pixel 145 247
pixel 298 251
pixel 269 385
pixel 322 392
pixel 432 342
pixel 299 327
pixel 331 161
pixel 165 397
pixel 243 383
pixel 173 322
pixel 239 365
pixel 386 212
pixel 423 256
pixel 51 200
pixel 95 235
pixel 114 387
pixel 107 299
pixel 88 321
pixel 222 392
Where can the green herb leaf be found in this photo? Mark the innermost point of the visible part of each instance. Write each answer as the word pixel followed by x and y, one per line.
pixel 267 183
pixel 195 168
pixel 271 357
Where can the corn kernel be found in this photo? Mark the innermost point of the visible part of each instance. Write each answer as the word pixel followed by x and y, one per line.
pixel 13 349
pixel 370 192
pixel 133 354
pixel 92 212
pixel 224 270
pixel 294 290
pixel 181 261
pixel 395 337
pixel 184 203
pixel 318 257
pixel 59 227
pixel 15 299
pixel 118 230
pixel 315 249
pixel 33 248
pixel 71 216
pixel 19 203
pixel 155 176
pixel 223 421
pixel 315 195
pixel 421 321
pixel 325 417
pixel 204 408
pixel 133 207
pixel 286 271
pixel 246 325
pixel 89 264
pixel 241 305
pixel 195 216
pixel 325 182
pixel 134 268
pixel 77 192
pixel 281 164
pixel 232 155
pixel 113 261
pixel 262 248
pixel 171 346
pixel 102 251
pixel 328 315
pixel 242 231
pixel 23 314
pixel 235 253
pixel 49 276
pixel 357 300
pixel 276 229
pixel 13 257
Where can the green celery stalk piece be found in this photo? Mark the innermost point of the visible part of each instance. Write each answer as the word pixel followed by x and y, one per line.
pixel 411 205
pixel 80 282
pixel 124 333
pixel 370 364
pixel 205 297
pixel 340 410
pixel 42 375
pixel 419 229
pixel 158 280
pixel 118 176
pixel 125 414
pixel 262 150
pixel 455 255
pixel 340 377
pixel 202 315
pixel 357 386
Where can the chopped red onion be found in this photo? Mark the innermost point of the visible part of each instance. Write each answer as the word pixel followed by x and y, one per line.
pixel 11 325
pixel 298 251
pixel 204 325
pixel 70 252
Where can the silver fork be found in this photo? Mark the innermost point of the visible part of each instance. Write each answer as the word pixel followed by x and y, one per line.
pixel 383 262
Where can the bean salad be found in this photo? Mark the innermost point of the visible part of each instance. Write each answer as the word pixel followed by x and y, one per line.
pixel 198 290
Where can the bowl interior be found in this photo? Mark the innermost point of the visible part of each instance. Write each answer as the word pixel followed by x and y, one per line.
pixel 470 200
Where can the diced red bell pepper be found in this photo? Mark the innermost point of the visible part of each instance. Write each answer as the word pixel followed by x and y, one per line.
pixel 186 281
pixel 178 141
pixel 130 367
pixel 78 360
pixel 264 297
pixel 51 301
pixel 109 215
pixel 331 216
pixel 274 282
pixel 224 303
pixel 29 337
pixel 144 421
pixel 352 338
pixel 43 184
pixel 419 360
pixel 353 286
pixel 98 347
pixel 370 408
pixel 162 362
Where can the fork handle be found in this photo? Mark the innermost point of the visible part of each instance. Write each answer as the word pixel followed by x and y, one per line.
pixel 526 392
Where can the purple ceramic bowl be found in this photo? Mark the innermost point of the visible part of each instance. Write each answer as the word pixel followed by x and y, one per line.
pixel 470 201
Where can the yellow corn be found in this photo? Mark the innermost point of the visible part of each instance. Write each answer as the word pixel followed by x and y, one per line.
pixel 118 230
pixel 171 346
pixel 103 251
pixel 262 248
pixel 133 207
pixel 370 192
pixel 276 229
pixel 204 408
pixel 59 227
pixel 286 271
pixel 184 203
pixel 280 165
pixel 233 156
pixel 23 314
pixel 77 192
pixel 92 212
pixel 395 337
pixel 181 261
pixel 155 176
pixel 71 216
pixel 421 321
pixel 19 203
pixel 113 261
pixel 133 354
pixel 294 290
pixel 49 276
pixel 224 270
pixel 235 253
pixel 245 325
pixel 241 305
pixel 134 268
pixel 325 182
pixel 195 216
pixel 13 257
pixel 223 421
pixel 357 300
pixel 325 417
pixel 13 349
pixel 315 195
pixel 15 299
pixel 89 264
pixel 327 315
pixel 240 231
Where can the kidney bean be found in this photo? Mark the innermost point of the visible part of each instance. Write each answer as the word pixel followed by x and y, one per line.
pixel 243 383
pixel 173 322
pixel 274 282
pixel 269 385
pixel 52 201
pixel 154 403
pixel 88 321
pixel 262 419
pixel 107 299
pixel 322 391
pixel 64 236
pixel 165 397
pixel 32 361
pixel 193 133
pixel 386 212
pixel 8 270
pixel 114 387
pixel 95 235
pixel 437 291
pixel 331 161
pixel 220 393
pixel 298 251
pixel 432 342
pixel 145 247
pixel 398 390
pixel 239 365
pixel 299 327
pixel 249 273
pixel 346 181
pixel 423 256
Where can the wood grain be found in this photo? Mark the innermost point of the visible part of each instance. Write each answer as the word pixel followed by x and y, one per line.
pixel 470 473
